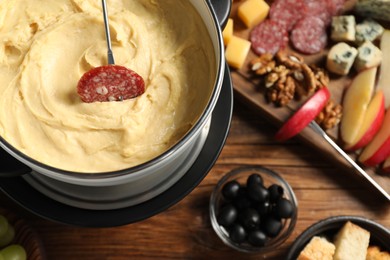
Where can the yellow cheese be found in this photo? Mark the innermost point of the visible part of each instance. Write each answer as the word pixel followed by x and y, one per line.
pixel 236 51
pixel 252 12
pixel 228 31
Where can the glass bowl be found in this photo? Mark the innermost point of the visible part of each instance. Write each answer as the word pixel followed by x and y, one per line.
pixel 260 235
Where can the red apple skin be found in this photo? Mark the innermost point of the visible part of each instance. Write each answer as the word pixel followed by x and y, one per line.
pixel 380 155
pixel 386 170
pixel 383 150
pixel 304 115
pixel 372 130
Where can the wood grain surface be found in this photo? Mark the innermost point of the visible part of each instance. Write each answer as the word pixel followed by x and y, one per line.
pixel 184 231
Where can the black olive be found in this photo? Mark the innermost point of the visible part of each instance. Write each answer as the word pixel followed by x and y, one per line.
pixel 264 208
pixel 237 233
pixel 257 238
pixel 271 226
pixel 283 208
pixel 231 190
pixel 258 193
pixel 249 218
pixel 227 215
pixel 242 192
pixel 254 179
pixel 242 201
pixel 275 192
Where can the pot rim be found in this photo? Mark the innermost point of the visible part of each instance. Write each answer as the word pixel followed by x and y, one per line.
pixel 138 169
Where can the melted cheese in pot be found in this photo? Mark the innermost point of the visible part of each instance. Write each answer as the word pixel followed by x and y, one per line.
pixel 47 45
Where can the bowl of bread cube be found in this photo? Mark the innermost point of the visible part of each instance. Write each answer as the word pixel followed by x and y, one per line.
pixel 341 238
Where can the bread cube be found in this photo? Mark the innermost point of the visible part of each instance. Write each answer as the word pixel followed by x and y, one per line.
pixel 318 248
pixel 351 242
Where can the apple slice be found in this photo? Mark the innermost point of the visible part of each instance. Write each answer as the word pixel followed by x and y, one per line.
pixel 379 148
pixel 357 97
pixel 386 166
pixel 372 122
pixel 384 74
pixel 305 114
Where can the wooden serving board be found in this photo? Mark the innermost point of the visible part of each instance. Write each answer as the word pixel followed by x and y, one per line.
pixel 246 88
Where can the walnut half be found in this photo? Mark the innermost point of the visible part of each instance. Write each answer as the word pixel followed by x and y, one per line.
pixel 263 64
pixel 330 115
pixel 282 92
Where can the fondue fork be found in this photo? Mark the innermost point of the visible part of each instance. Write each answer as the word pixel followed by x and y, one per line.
pixel 318 130
pixel 110 54
pixel 110 82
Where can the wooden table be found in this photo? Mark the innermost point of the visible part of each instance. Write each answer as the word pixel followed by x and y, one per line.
pixel 184 230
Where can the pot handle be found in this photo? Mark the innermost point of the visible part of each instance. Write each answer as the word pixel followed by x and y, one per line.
pixel 222 10
pixel 10 167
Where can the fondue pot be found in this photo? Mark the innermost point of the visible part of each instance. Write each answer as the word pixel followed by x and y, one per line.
pixel 138 184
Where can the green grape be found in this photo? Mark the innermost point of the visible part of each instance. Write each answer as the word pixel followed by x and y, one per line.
pixel 7 237
pixel 14 252
pixel 3 225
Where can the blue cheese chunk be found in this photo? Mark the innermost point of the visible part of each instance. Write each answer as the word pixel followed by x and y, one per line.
pixel 377 9
pixel 341 58
pixel 368 30
pixel 343 28
pixel 368 56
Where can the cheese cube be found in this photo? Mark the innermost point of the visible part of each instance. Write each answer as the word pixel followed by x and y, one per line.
pixel 368 56
pixel 341 58
pixel 228 31
pixel 343 28
pixel 236 52
pixel 368 30
pixel 252 12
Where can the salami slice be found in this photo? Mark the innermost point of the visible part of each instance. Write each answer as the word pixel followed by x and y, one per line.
pixel 309 35
pixel 320 9
pixel 268 37
pixel 110 83
pixel 335 7
pixel 287 12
